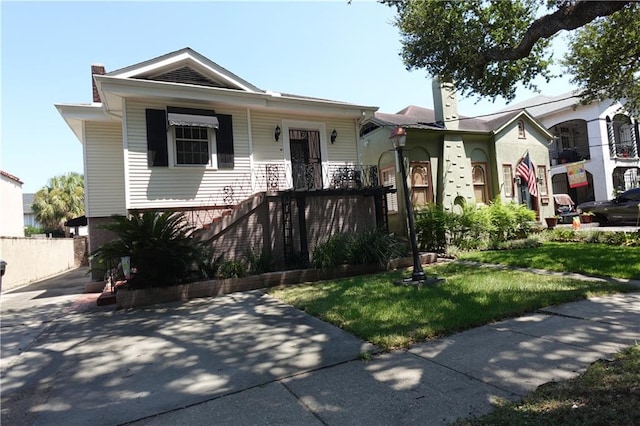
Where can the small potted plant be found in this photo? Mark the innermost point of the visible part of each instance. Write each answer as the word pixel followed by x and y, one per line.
pixel 552 221
pixel 586 217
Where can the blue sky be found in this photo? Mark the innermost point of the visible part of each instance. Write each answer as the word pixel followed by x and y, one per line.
pixel 327 49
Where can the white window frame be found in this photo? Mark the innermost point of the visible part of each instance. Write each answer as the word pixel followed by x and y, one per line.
pixel 507 177
pixel 392 198
pixel 172 150
pixel 541 175
pixel 522 130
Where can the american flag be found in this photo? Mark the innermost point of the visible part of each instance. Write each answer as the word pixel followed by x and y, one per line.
pixel 526 171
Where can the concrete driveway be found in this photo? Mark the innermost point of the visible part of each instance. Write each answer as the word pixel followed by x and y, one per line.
pixel 65 361
pixel 248 359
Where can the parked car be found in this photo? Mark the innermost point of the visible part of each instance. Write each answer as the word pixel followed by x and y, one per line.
pixel 625 208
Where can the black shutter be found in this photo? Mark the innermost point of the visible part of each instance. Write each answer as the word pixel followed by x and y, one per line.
pixel 157 154
pixel 224 141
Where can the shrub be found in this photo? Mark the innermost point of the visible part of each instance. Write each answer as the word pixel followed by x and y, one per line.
pixel 373 247
pixel 32 230
pixel 160 246
pixel 433 223
pixel 356 249
pixel 436 228
pixel 259 261
pixel 233 269
pixel 336 251
pixel 630 239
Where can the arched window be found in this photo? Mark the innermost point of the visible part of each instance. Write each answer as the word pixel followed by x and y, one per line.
pixel 421 188
pixel 480 182
pixel 622 140
pixel 521 130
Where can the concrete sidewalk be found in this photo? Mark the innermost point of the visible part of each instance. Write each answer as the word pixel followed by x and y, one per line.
pixel 247 358
pixel 439 381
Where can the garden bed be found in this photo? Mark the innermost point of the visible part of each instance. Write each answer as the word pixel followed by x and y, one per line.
pixel 126 298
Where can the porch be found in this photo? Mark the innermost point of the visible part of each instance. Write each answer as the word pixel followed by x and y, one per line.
pixel 275 178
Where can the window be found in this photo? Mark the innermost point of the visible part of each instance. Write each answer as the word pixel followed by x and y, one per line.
pixel 480 182
pixel 421 189
pixel 192 145
pixel 521 130
pixel 507 177
pixel 542 180
pixel 189 137
pixel 389 179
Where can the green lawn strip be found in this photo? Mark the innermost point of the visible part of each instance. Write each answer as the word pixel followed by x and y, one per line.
pixel 608 393
pixel 391 316
pixel 585 258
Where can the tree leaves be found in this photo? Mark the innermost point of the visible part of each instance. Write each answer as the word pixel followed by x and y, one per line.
pixel 604 59
pixel 62 199
pixel 487 47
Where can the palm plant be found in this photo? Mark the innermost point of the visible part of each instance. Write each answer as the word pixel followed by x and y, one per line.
pixel 160 245
pixel 62 199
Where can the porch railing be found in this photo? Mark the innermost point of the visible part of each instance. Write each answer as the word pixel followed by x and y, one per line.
pixel 275 177
pixel 571 155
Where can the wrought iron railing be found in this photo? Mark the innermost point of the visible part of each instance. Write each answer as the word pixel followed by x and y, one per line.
pixel 562 156
pixel 624 150
pixel 275 177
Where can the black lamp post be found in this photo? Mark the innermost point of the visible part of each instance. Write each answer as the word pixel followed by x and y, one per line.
pixel 399 139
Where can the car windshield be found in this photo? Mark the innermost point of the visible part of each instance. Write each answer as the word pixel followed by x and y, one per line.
pixel 632 194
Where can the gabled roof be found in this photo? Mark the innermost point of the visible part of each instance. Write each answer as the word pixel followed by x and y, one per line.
pixel 415 117
pixel 542 105
pixel 188 67
pixel 187 76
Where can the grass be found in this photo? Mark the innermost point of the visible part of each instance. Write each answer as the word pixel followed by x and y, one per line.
pixel 390 316
pixel 606 394
pixel 585 258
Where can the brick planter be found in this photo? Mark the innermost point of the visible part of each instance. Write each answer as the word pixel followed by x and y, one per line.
pixel 142 297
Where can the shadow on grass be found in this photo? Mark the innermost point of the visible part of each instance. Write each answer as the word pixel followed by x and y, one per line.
pixel 599 260
pixel 390 316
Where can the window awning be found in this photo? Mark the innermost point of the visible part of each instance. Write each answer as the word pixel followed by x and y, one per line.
pixel 176 119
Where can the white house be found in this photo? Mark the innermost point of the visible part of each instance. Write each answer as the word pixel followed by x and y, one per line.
pixel 601 134
pixel 28 214
pixel 179 132
pixel 11 221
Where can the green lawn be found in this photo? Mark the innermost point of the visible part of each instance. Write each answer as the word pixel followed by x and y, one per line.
pixel 584 258
pixel 606 394
pixel 391 316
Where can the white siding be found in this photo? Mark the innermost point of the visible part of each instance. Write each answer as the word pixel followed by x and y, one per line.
pixel 266 149
pixel 104 169
pixel 160 187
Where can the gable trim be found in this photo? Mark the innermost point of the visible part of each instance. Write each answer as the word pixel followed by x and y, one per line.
pixel 181 58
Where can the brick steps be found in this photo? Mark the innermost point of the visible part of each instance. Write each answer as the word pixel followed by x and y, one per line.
pixel 107 297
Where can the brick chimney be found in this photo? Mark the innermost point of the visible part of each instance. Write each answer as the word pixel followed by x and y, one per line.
pixel 445 104
pixel 96 69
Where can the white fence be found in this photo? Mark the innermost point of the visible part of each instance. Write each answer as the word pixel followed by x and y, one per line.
pixel 33 259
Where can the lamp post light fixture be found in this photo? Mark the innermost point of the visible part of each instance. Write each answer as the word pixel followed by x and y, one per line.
pixel 399 140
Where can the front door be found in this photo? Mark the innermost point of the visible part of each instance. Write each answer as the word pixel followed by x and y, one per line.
pixel 306 164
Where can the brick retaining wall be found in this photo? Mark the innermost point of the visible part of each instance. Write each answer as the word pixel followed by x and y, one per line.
pixel 143 297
